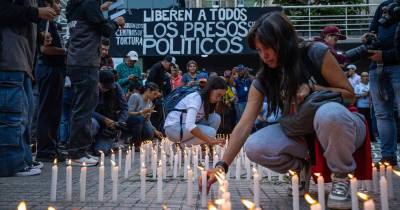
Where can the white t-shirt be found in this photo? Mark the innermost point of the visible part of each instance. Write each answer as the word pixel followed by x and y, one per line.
pixel 354 80
pixel 194 112
pixel 362 102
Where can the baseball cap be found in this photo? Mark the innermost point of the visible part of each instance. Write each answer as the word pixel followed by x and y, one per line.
pixel 333 30
pixel 133 55
pixel 351 66
pixel 106 78
pixel 170 59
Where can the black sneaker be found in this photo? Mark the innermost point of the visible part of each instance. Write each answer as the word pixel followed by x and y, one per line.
pixel 37 165
pixel 28 171
pixel 340 196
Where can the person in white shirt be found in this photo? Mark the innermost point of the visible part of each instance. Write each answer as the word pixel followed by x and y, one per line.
pixel 354 78
pixel 200 122
pixel 364 100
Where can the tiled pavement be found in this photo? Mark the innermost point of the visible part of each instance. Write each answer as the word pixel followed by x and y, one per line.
pixel 36 191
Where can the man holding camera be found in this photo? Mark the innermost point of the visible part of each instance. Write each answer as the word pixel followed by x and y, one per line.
pixel 384 74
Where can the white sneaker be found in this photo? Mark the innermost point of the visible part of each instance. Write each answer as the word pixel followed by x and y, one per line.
pixel 89 161
pixel 28 171
pixel 94 157
pixel 37 165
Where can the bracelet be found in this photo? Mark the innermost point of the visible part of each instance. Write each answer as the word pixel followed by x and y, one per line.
pixel 223 164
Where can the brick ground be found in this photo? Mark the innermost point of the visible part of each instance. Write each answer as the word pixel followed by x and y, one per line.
pixel 36 191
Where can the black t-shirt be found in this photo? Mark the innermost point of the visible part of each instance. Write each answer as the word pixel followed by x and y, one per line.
pixel 52 60
pixel 158 75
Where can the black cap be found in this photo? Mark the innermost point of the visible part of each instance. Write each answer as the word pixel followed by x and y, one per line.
pixel 170 59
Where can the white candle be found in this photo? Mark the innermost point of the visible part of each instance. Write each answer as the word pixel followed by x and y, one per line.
pixel 238 168
pixel 203 188
pixel 207 161
pixel 112 160
pixel 115 183
pixel 83 183
pixel 154 165
pixel 179 161
pixel 248 167
pixel 143 184
pixel 101 156
pixel 119 159
pixel 101 182
pixel 381 169
pixel 256 188
pixel 321 190
pixel 190 187
pixel 132 156
pixel 269 174
pixel 353 187
pixel 54 175
pixel 295 190
pixel 69 181
pixel 159 184
pixel 175 170
pixel 127 163
pixel 195 162
pixel 185 165
pixel 384 194
pixel 389 178
pixel 375 180
pixel 164 164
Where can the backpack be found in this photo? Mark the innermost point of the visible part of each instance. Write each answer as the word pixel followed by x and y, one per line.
pixel 172 99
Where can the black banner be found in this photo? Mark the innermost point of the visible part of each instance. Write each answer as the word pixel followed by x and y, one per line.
pixel 197 31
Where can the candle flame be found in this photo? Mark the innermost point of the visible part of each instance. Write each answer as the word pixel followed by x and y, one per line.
pixel 363 196
pixel 21 206
pixel 309 199
pixel 200 168
pixel 317 174
pixel 220 201
pixel 386 164
pixel 112 163
pixel 55 161
pixel 292 173
pixel 350 176
pixel 51 208
pixel 254 170
pixel 101 163
pixel 211 207
pixel 380 163
pixel 84 164
pixel 69 162
pixel 165 207
pixel 248 204
pixel 112 151
pixel 101 152
pixel 396 172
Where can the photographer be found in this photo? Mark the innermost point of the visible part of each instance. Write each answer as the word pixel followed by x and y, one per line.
pixel 384 74
pixel 111 111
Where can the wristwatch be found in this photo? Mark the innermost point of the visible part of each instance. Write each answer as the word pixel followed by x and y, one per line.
pixel 223 164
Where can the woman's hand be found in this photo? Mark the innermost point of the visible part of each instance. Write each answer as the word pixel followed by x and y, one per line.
pixel 214 141
pixel 210 178
pixel 302 93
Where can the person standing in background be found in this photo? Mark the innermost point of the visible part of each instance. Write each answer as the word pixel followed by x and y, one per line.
pixel 364 99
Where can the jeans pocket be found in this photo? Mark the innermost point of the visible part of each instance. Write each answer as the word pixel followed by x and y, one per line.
pixel 11 112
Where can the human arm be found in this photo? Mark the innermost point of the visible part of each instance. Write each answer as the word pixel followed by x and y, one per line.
pixel 51 50
pixel 11 12
pixel 96 19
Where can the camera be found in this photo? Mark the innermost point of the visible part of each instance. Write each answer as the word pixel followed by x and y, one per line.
pixel 390 13
pixel 372 43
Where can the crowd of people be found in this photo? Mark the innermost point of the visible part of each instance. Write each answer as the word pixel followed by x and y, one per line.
pixel 84 104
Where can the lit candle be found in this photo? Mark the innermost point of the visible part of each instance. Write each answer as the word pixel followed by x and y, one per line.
pixel 185 165
pixel 314 205
pixel 159 183
pixel 164 164
pixel 368 203
pixel 21 206
pixel 54 175
pixel 381 169
pixel 269 174
pixel 295 190
pixel 69 181
pixel 175 170
pixel 248 167
pixel 321 190
pixel 112 160
pixel 353 187
pixel 238 168
pixel 384 194
pixel 195 162
pixel 203 188
pixel 101 182
pixel 190 187
pixel 132 156
pixel 143 183
pixel 127 163
pixel 83 183
pixel 51 208
pixel 250 205
pixel 256 186
pixel 101 156
pixel 389 177
pixel 375 180
pixel 154 165
pixel 119 159
pixel 114 177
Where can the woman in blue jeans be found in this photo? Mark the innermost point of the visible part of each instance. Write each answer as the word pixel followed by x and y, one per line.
pixel 140 107
pixel 290 71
